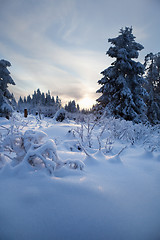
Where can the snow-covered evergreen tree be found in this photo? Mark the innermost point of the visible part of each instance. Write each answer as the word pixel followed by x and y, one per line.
pixel 13 102
pixel 58 102
pixel 40 103
pixel 25 100
pixel 53 101
pixel 34 99
pixel 6 98
pixel 152 67
pixel 48 98
pixel 38 97
pixel 20 104
pixel 78 107
pixel 157 90
pixel 122 83
pixel 29 99
pixel 71 107
pixel 43 99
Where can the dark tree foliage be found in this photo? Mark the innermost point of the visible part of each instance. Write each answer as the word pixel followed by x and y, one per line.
pixel 152 74
pixel 71 107
pixel 40 103
pixel 122 83
pixel 7 100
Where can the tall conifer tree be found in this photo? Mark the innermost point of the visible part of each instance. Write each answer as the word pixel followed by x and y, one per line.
pixel 6 98
pixel 152 74
pixel 122 83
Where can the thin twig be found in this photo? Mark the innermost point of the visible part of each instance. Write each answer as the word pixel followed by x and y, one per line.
pixel 99 142
pixel 7 156
pixel 121 151
pixel 83 149
pixel 5 128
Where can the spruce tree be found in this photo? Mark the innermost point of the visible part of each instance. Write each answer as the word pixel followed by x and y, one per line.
pixel 71 107
pixel 34 99
pixel 152 74
pixel 43 99
pixel 122 83
pixel 58 102
pixel 29 99
pixel 48 98
pixel 38 97
pixel 6 98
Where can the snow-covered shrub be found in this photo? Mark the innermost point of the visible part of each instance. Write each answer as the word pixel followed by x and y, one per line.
pixel 85 131
pixel 152 140
pixel 116 129
pixel 109 144
pixel 40 154
pixel 106 131
pixel 32 148
pixel 60 115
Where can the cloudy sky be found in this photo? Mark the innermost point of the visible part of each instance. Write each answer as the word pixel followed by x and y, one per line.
pixel 60 45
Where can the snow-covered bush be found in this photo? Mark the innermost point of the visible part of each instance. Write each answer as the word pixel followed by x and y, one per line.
pixel 106 131
pixel 60 115
pixel 109 144
pixel 32 148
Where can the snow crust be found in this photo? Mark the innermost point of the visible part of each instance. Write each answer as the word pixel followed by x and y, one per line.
pixel 114 196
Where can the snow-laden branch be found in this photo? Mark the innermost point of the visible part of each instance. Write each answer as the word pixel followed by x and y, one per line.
pixel 35 149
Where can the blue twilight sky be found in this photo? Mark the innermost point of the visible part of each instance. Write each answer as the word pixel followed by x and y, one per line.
pixel 60 45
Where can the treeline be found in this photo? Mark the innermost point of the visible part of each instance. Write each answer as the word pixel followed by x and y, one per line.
pixel 44 103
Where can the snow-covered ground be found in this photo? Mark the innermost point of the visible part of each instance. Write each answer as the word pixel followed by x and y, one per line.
pixel 116 196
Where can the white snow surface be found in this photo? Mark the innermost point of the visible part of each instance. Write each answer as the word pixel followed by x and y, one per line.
pixel 114 197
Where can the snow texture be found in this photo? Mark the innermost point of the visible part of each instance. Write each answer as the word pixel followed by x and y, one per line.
pixel 110 190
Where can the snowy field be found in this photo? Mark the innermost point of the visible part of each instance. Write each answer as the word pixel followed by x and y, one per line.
pixel 106 185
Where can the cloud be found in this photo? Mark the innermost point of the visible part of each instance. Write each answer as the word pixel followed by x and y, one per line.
pixel 40 62
pixel 60 45
pixel 71 93
pixel 69 79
